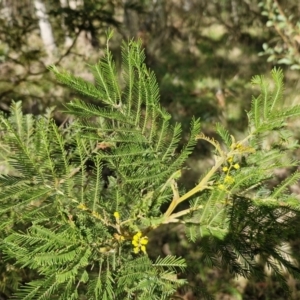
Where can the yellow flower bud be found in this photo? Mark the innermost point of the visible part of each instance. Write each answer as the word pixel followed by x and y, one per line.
pixel 135 243
pixel 222 187
pixel 139 243
pixel 229 179
pixel 236 166
pixel 230 159
pixel 82 206
pixel 144 241
pixel 137 236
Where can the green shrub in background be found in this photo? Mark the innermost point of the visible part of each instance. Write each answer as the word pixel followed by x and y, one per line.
pixel 285 49
pixel 81 199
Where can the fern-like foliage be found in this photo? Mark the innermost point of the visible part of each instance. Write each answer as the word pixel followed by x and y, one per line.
pixel 71 236
pixel 242 220
pixel 140 139
pixel 77 201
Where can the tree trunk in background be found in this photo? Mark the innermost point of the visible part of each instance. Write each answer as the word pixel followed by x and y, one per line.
pixel 71 4
pixel 68 39
pixel 45 27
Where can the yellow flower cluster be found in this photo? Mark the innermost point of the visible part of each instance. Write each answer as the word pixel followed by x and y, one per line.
pixel 139 243
pixel 82 206
pixel 230 159
pixel 228 178
pixel 242 149
pixel 231 165
pixel 222 187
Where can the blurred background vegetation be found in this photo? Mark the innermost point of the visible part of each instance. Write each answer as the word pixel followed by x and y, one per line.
pixel 204 53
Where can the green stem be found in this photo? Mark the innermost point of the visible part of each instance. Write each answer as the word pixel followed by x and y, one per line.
pixel 204 182
pixel 174 217
pixel 198 188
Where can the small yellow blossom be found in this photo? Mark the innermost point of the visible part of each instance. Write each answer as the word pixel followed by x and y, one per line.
pixel 82 206
pixel 144 241
pixel 225 169
pixel 244 149
pixel 135 243
pixel 236 166
pixel 222 187
pixel 137 236
pixel 229 179
pixel 116 215
pixel 139 243
pixel 230 159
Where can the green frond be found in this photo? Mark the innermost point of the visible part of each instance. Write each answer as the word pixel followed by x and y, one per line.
pixel 282 114
pixel 172 143
pixel 66 275
pixel 24 161
pixel 22 197
pixel 128 76
pixel 248 178
pixel 189 147
pixel 60 143
pixel 76 197
pixel 267 112
pixel 107 81
pixel 95 288
pixel 210 206
pixel 17 117
pixel 104 131
pixel 37 289
pixel 268 160
pixel 82 86
pixel 254 114
pixel 132 271
pixel 265 158
pixel 98 186
pixel 210 219
pixel 265 94
pixel 290 180
pixel 87 110
pixel 277 75
pixel 147 279
pixel 170 262
pixel 6 181
pixel 108 291
pixel 45 138
pixel 224 134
